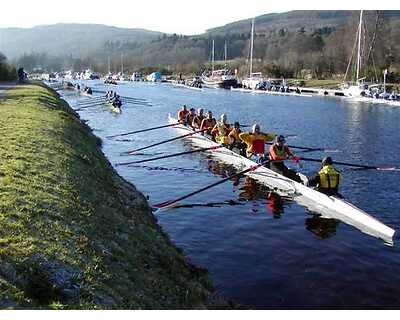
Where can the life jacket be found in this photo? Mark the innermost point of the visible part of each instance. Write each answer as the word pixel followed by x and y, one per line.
pixel 182 114
pixel 208 124
pixel 329 178
pixel 222 135
pixel 280 152
pixel 197 120
pixel 234 135
pixel 189 119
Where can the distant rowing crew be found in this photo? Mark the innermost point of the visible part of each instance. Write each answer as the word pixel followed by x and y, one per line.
pixel 114 99
pixel 252 145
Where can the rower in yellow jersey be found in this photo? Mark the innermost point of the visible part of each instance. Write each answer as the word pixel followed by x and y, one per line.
pixel 221 131
pixel 255 141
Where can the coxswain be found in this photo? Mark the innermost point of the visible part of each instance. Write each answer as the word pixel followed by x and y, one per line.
pixel 255 141
pixel 198 118
pixel 89 90
pixel 234 140
pixel 278 153
pixel 208 123
pixel 221 130
pixel 182 114
pixel 328 179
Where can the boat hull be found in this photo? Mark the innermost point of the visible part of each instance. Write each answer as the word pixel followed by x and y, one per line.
pixel 224 84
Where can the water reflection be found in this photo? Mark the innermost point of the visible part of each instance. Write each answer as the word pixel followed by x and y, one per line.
pixel 275 204
pixel 323 228
pixel 250 190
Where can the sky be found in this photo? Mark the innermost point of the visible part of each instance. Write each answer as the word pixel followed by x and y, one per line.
pixel 169 16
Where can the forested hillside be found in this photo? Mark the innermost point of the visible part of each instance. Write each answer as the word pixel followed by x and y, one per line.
pixel 314 44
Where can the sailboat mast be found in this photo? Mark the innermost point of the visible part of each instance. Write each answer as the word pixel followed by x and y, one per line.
pixel 122 63
pixel 359 46
pixel 226 52
pixel 109 67
pixel 213 48
pixel 251 48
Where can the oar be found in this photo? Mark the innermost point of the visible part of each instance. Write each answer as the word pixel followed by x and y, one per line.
pixel 102 91
pixel 364 166
pixel 137 103
pixel 307 148
pixel 90 101
pixel 90 106
pixel 143 130
pixel 170 202
pixel 168 156
pixel 131 98
pixel 130 152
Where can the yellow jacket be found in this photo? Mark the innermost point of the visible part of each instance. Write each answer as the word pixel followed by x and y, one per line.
pixel 329 177
pixel 256 142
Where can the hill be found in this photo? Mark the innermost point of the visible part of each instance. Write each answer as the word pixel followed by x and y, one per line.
pixel 76 39
pixel 315 44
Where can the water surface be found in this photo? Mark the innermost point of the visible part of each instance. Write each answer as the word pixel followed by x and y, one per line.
pixel 262 251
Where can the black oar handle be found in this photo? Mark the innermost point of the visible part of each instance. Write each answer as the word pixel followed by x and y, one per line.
pixel 300 148
pixel 143 130
pixel 170 202
pixel 342 163
pixel 165 141
pixel 169 156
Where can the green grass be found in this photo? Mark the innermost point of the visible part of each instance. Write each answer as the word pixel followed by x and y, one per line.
pixel 64 209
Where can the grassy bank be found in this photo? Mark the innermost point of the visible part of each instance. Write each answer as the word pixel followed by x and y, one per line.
pixel 73 234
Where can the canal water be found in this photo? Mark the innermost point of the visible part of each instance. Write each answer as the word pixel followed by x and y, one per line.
pixel 261 250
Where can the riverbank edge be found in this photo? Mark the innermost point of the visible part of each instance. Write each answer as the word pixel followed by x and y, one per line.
pixel 73 233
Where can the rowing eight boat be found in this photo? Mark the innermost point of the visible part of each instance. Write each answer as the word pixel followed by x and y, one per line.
pixel 314 201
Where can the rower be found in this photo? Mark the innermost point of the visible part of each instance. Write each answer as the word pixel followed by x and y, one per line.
pixel 221 130
pixel 255 141
pixel 198 118
pixel 328 179
pixel 117 103
pixel 208 123
pixel 182 114
pixel 234 140
pixel 190 116
pixel 278 153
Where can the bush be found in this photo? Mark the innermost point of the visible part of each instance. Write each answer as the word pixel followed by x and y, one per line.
pixel 7 72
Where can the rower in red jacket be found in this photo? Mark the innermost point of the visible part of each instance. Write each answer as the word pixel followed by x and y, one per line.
pixel 278 153
pixel 182 114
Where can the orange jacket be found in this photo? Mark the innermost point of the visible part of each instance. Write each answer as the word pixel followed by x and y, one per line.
pixel 182 114
pixel 279 154
pixel 207 124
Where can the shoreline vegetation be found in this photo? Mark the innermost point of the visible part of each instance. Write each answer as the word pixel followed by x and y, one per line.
pixel 73 233
pixel 298 44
